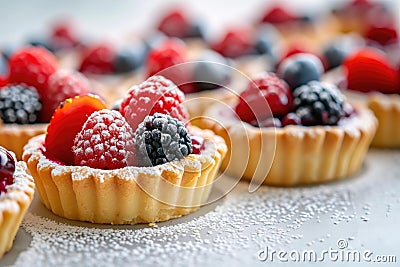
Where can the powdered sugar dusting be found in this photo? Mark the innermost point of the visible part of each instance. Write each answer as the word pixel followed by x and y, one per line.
pixel 271 215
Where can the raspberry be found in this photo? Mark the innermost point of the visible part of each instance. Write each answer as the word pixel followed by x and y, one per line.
pixel 19 104
pixel 383 34
pixel 161 139
pixel 64 36
pixel 7 168
pixel 318 103
pixel 370 70
pixel 359 8
pixel 105 141
pixel 3 81
pixel 175 24
pixel 362 7
pixel 156 94
pixel 32 66
pixel 291 119
pixel 98 59
pixel 62 84
pixel 169 53
pixel 66 122
pixel 198 144
pixel 277 15
pixel 265 90
pixel 190 88
pixel 235 43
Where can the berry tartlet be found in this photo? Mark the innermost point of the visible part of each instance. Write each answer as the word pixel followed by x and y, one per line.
pixel 33 90
pixel 296 27
pixel 108 67
pixel 371 79
pixel 292 136
pixel 142 163
pixel 178 23
pixel 374 20
pixel 201 74
pixel 16 194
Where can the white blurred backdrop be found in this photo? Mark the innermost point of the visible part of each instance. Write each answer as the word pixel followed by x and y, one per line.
pixel 112 19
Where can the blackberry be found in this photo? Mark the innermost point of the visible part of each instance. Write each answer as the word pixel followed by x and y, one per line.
pixel 19 104
pixel 318 103
pixel 160 139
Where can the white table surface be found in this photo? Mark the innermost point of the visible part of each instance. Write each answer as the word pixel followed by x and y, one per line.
pixel 363 210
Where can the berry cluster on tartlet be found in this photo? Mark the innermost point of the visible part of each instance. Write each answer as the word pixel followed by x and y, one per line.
pixel 285 135
pixel 16 194
pixel 296 27
pixel 31 91
pixel 374 20
pixel 371 78
pixel 201 74
pixel 139 164
pixel 109 67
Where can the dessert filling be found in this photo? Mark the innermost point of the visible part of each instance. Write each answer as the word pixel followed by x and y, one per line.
pixel 7 168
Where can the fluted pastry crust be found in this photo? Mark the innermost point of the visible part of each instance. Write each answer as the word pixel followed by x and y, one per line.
pixel 292 155
pixel 13 206
pixel 129 195
pixel 14 136
pixel 387 110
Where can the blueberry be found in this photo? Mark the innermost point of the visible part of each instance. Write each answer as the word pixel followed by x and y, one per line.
pixel 307 18
pixel 266 42
pixel 334 56
pixel 212 71
pixel 7 51
pixel 154 39
pixel 337 51
pixel 42 42
pixel 300 69
pixel 196 30
pixel 129 58
pixel 3 65
pixel 117 104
